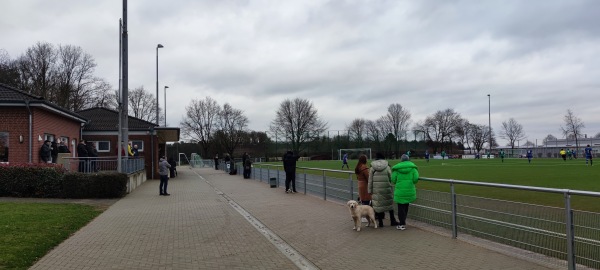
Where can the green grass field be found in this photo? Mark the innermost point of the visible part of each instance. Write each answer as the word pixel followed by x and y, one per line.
pixel 29 230
pixel 551 173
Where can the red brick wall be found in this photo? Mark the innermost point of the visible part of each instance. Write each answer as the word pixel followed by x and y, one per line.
pixel 15 120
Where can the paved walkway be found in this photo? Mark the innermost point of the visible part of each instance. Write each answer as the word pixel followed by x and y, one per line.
pixel 216 221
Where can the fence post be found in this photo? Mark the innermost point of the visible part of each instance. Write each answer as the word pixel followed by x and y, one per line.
pixel 304 181
pixel 351 186
pixel 570 231
pixel 324 187
pixel 454 224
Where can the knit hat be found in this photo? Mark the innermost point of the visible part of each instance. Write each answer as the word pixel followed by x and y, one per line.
pixel 404 158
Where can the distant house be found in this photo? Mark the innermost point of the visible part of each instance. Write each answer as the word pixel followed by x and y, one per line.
pixel 26 121
pixel 102 129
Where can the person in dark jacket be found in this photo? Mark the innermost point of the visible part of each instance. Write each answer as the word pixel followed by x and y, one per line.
pixel 289 165
pixel 173 169
pixel 82 153
pixel 46 152
pixel 217 162
pixel 92 154
pixel 163 171
pixel 247 168
pixel 62 147
pixel 54 151
pixel 228 165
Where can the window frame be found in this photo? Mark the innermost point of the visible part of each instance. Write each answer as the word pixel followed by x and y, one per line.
pixel 97 144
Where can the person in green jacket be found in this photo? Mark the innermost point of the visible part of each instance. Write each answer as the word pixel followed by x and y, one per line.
pixel 404 176
pixel 502 155
pixel 380 189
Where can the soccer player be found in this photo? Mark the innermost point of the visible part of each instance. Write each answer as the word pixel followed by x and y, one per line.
pixel 345 161
pixel 502 155
pixel 563 154
pixel 427 155
pixel 569 154
pixel 529 155
pixel 588 155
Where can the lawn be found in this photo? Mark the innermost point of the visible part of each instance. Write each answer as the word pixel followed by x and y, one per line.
pixel 29 230
pixel 551 173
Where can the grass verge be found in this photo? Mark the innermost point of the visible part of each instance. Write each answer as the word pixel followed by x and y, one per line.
pixel 29 230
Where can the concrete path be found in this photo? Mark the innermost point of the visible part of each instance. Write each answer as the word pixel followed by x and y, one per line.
pixel 216 221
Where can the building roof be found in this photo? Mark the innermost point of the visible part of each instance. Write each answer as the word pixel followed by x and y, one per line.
pixel 103 119
pixel 13 97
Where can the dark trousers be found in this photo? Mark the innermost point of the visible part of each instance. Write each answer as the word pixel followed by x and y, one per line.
pixel 83 164
pixel 290 176
pixel 164 181
pixel 402 213
pixel 247 171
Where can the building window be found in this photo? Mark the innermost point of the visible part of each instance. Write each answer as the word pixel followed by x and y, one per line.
pixel 139 143
pixel 3 146
pixel 65 140
pixel 103 146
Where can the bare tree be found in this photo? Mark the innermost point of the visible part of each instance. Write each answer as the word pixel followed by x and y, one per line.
pixel 529 144
pixel 397 120
pixel 479 135
pixel 9 71
pixel 105 97
pixel 232 124
pixel 200 122
pixel 512 131
pixel 296 119
pixel 549 138
pixel 356 129
pixel 142 105
pixel 75 84
pixel 572 127
pixel 37 68
pixel 440 127
pixel 597 136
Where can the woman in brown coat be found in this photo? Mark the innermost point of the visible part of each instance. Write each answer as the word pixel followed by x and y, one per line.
pixel 362 174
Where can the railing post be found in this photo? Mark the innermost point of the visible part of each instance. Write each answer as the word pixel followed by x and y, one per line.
pixel 454 224
pixel 351 186
pixel 324 187
pixel 570 232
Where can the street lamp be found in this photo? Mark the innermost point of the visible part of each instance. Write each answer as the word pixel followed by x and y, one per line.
pixel 157 47
pixel 165 105
pixel 490 124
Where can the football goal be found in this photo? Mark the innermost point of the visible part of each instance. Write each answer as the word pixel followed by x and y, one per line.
pixel 354 153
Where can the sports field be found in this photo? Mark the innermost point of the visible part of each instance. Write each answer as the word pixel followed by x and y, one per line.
pixel 551 173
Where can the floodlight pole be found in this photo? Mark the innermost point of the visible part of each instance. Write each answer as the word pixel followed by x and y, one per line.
pixel 490 124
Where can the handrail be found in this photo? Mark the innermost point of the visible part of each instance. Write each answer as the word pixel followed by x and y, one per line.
pixel 530 188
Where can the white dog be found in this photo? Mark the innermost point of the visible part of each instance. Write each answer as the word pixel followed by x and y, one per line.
pixel 358 211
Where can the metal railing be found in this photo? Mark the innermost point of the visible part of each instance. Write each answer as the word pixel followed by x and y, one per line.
pixel 569 235
pixel 102 164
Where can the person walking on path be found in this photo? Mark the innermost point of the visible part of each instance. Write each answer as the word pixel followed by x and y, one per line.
pixel 217 162
pixel 404 176
pixel 46 152
pixel 380 189
pixel 163 171
pixel 289 165
pixel 173 168
pixel 362 175
pixel 345 161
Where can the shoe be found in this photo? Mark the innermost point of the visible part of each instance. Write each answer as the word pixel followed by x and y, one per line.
pixel 167 194
pixel 401 227
pixel 293 191
pixel 161 194
pixel 287 191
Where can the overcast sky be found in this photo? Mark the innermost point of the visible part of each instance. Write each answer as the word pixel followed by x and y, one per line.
pixel 352 59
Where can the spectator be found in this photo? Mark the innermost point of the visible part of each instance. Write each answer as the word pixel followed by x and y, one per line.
pixel 217 162
pixel 46 152
pixel 173 169
pixel 289 165
pixel 82 153
pixel 362 175
pixel 163 171
pixel 135 151
pixel 380 189
pixel 404 176
pixel 62 147
pixel 54 151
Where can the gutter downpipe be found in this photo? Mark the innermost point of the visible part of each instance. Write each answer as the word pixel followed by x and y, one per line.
pixel 30 130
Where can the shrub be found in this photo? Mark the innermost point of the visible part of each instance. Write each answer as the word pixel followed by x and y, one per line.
pixel 99 185
pixel 39 180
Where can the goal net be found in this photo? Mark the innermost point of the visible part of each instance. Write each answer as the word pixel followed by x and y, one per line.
pixel 354 153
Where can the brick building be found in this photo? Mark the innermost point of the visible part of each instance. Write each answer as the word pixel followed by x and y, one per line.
pixel 26 121
pixel 102 129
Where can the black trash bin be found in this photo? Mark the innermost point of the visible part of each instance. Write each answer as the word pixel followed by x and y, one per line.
pixel 273 182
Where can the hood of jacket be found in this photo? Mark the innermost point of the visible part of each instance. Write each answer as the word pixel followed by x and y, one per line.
pixel 379 165
pixel 404 167
pixel 161 159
